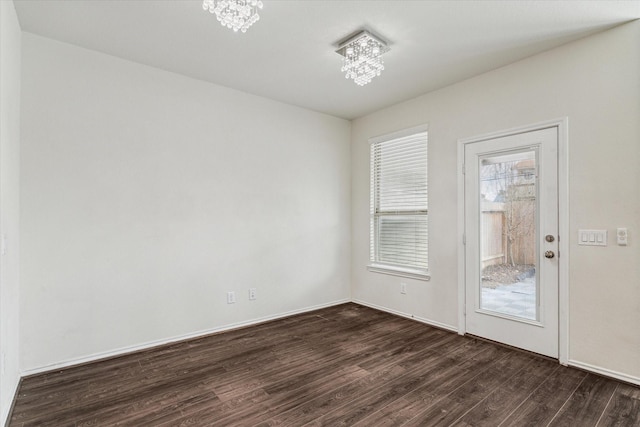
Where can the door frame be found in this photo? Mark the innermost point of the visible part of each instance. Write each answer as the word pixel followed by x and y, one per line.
pixel 563 225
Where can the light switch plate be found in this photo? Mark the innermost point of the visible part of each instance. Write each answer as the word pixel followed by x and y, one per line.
pixel 592 237
pixel 621 234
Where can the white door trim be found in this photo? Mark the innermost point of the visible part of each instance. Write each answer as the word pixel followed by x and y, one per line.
pixel 563 226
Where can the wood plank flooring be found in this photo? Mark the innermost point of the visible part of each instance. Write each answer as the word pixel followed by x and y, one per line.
pixel 347 365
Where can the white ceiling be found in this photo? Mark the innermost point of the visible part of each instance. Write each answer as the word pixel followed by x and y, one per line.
pixel 288 55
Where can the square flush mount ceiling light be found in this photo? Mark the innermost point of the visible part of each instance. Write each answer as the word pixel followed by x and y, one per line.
pixel 234 14
pixel 362 57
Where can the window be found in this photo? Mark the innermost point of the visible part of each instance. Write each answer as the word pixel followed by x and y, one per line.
pixel 398 209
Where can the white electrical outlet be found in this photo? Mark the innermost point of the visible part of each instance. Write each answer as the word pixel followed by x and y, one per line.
pixel 403 288
pixel 231 297
pixel 252 293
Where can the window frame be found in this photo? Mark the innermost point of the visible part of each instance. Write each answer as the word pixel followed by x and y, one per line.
pixel 388 268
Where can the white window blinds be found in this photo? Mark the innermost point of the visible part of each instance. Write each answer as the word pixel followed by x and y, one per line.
pixel 398 226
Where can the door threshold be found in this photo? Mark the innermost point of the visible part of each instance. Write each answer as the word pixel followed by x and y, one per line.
pixel 510 347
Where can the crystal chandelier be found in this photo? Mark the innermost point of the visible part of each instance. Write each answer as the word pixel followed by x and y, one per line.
pixel 234 14
pixel 362 57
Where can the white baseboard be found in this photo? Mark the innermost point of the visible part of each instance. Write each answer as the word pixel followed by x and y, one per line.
pixel 148 345
pixel 605 372
pixel 409 316
pixel 6 412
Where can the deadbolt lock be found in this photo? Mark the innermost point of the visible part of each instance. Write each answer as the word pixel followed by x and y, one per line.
pixel 549 238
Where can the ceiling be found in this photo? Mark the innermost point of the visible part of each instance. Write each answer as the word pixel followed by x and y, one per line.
pixel 289 54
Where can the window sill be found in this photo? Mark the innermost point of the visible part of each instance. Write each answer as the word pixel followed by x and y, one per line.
pixel 397 271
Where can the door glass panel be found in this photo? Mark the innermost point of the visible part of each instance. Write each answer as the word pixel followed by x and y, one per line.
pixel 508 208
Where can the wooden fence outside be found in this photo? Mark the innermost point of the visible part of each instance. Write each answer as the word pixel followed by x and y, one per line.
pixel 494 228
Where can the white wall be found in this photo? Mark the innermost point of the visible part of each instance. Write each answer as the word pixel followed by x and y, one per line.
pixel 10 48
pixel 146 196
pixel 596 83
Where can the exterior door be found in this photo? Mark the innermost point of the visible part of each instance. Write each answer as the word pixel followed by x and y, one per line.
pixel 511 235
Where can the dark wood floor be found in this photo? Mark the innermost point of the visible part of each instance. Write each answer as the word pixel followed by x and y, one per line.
pixel 342 366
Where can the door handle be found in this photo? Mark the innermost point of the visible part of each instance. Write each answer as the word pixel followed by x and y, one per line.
pixel 549 254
